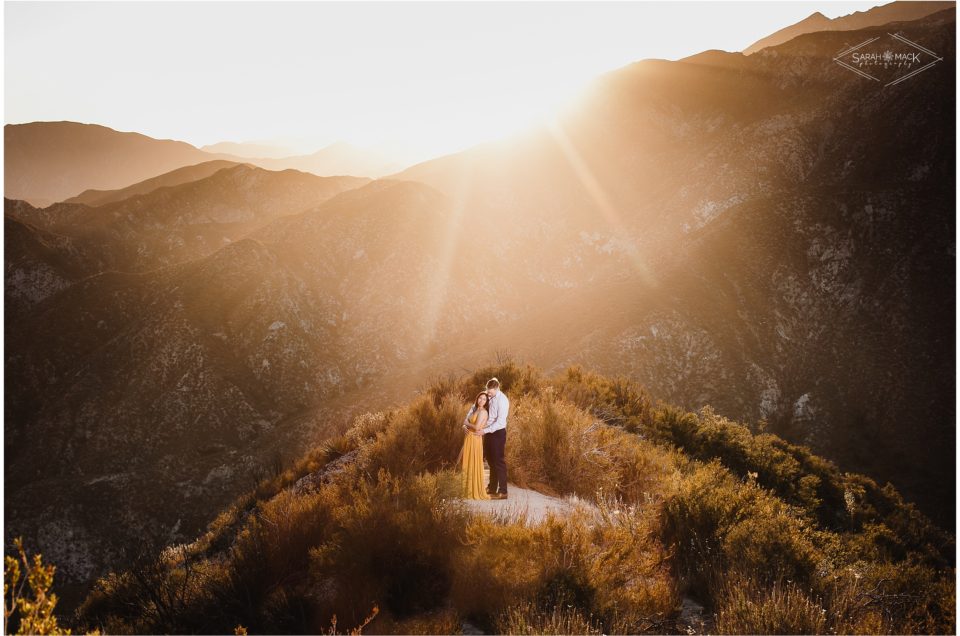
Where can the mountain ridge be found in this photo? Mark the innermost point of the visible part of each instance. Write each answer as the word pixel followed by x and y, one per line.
pixel 158 225
pixel 898 11
pixel 174 177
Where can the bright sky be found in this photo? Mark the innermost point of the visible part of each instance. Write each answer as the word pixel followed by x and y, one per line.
pixel 429 77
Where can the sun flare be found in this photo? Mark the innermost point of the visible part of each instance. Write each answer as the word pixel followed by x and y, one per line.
pixel 412 80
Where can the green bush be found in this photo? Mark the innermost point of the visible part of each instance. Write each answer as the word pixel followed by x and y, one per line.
pixel 718 524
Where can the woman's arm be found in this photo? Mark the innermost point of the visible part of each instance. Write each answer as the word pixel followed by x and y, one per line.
pixel 466 420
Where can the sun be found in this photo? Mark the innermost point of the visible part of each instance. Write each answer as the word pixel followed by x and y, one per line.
pixel 435 130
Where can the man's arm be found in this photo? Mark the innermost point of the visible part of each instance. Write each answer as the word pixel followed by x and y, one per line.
pixel 497 412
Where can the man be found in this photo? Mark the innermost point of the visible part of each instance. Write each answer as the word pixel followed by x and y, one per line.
pixel 495 439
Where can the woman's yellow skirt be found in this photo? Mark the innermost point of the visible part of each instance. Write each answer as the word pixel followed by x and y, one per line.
pixel 472 467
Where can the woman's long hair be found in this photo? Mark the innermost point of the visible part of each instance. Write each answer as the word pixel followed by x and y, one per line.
pixel 486 403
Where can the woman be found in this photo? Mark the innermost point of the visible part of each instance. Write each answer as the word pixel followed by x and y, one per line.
pixel 472 463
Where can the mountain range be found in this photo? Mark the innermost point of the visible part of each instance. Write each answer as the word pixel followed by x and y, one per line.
pixel 64 161
pixel 767 234
pixel 876 16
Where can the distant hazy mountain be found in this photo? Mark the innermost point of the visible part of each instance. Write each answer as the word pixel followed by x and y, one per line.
pixel 900 11
pixel 172 178
pixel 49 161
pixel 49 249
pixel 247 149
pixel 340 158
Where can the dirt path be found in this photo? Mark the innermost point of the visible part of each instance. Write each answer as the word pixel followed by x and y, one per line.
pixel 523 503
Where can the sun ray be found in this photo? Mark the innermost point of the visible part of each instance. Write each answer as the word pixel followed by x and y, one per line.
pixel 437 287
pixel 600 198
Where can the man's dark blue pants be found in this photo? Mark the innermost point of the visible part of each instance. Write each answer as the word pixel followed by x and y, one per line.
pixel 493 451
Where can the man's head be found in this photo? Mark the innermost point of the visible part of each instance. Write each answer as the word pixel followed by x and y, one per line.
pixel 493 385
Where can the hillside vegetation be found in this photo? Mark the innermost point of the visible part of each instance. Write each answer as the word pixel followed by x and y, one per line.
pixel 367 530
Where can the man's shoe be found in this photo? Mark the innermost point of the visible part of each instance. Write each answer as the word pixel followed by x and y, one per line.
pixel 499 495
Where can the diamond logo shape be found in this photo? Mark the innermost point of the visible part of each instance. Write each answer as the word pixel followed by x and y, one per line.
pixel 895 60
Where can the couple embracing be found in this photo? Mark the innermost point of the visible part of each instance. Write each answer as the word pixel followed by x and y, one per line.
pixel 486 438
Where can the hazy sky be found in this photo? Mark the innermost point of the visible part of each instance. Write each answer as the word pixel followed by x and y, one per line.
pixel 430 76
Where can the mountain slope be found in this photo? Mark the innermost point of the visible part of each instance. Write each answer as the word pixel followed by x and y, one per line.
pixel 39 263
pixel 152 407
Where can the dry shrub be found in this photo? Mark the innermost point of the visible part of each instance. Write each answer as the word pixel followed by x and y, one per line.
pixel 886 598
pixel 746 606
pixel 515 379
pixel 532 618
pixel 616 401
pixel 559 449
pixel 627 566
pixel 394 541
pixel 421 437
